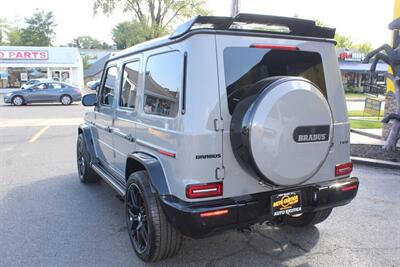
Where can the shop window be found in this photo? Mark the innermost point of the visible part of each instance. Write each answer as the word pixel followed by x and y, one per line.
pixel 163 84
pixel 107 92
pixel 129 84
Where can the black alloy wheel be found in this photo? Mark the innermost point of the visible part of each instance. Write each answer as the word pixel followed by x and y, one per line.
pixel 137 220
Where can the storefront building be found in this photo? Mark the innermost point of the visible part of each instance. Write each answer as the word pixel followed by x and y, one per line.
pixel 356 75
pixel 19 64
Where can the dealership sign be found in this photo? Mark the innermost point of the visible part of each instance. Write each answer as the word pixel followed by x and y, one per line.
pixel 24 54
pixel 350 56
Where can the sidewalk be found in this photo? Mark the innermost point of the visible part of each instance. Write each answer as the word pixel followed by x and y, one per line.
pixel 356 138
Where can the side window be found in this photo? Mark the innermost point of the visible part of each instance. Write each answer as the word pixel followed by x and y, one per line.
pixel 107 91
pixel 55 85
pixel 39 86
pixel 163 84
pixel 129 84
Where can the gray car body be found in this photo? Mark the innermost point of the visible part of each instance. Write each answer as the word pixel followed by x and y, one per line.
pixel 32 95
pixel 202 128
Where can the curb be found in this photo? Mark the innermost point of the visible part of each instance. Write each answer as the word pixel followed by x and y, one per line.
pixel 360 132
pixel 376 163
pixel 355 100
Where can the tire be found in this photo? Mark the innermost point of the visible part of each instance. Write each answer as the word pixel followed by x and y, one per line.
pixel 152 237
pixel 86 174
pixel 308 219
pixel 18 100
pixel 66 100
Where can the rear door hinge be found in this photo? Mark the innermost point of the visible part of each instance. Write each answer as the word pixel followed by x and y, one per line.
pixel 219 124
pixel 220 173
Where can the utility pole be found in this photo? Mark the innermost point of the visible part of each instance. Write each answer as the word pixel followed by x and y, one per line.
pixel 235 6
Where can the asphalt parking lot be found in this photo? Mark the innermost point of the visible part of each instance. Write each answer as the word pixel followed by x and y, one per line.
pixel 48 218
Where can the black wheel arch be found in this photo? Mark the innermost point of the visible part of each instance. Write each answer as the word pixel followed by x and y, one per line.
pixel 138 161
pixel 86 131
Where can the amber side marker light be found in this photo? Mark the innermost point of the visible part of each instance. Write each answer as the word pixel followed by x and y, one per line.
pixel 214 213
pixel 166 153
pixel 343 169
pixel 276 47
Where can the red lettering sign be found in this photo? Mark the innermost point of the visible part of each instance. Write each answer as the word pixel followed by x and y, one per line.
pixel 24 54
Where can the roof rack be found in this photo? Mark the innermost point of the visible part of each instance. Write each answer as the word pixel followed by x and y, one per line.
pixel 295 26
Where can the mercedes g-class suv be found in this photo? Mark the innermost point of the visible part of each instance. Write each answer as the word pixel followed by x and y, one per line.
pixel 228 122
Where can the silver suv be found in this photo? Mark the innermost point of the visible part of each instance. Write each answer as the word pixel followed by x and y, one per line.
pixel 226 123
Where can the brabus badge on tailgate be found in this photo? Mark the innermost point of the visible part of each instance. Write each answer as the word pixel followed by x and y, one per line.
pixel 308 134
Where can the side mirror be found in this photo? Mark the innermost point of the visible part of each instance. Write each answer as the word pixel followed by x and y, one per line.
pixel 89 100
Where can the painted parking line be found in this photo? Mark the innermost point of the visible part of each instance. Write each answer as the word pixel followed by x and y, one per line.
pixel 38 134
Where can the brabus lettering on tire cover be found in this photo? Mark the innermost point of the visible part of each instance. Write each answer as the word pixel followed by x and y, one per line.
pixel 308 134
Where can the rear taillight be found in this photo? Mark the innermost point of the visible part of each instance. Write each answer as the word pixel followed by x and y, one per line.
pixel 77 90
pixel 276 47
pixel 204 190
pixel 343 169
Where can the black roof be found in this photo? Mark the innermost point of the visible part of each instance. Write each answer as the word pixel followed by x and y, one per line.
pixel 298 29
pixel 295 26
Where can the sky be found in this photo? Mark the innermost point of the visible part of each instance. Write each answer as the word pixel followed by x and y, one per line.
pixel 355 18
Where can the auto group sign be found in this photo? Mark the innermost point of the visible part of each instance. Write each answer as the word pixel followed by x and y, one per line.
pixel 24 54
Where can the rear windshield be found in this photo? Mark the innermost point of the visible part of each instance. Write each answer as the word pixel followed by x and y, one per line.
pixel 245 66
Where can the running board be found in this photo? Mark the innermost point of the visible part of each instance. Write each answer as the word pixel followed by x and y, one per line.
pixel 108 179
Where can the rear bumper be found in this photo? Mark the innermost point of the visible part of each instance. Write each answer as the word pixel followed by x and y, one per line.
pixel 249 209
pixel 77 97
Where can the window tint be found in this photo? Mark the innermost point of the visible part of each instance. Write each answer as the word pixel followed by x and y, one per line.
pixel 40 86
pixel 163 83
pixel 107 92
pixel 245 66
pixel 129 85
pixel 55 85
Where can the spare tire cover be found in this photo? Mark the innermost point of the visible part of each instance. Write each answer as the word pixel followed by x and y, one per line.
pixel 283 133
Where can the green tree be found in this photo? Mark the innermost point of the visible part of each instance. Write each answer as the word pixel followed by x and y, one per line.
pixel 88 42
pixel 128 33
pixel 85 62
pixel 14 36
pixel 39 30
pixel 343 41
pixel 365 47
pixel 4 27
pixel 155 16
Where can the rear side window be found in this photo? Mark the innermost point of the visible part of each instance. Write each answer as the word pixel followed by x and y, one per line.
pixel 163 83
pixel 245 66
pixel 55 85
pixel 107 92
pixel 129 85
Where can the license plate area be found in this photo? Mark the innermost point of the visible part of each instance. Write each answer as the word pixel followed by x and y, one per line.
pixel 286 203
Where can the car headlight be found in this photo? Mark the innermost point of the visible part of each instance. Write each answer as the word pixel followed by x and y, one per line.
pixel 8 95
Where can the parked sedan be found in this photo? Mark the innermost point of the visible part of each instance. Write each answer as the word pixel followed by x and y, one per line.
pixel 94 85
pixel 45 92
